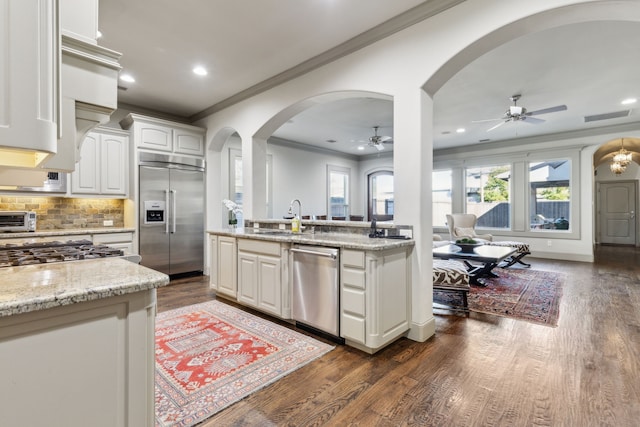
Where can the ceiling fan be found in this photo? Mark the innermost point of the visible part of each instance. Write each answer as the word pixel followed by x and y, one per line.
pixel 517 113
pixel 377 141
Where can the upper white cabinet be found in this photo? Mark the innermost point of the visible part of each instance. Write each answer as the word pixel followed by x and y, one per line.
pixel 103 168
pixel 162 135
pixel 30 81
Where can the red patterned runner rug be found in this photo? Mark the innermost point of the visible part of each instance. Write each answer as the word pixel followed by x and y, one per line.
pixel 211 355
pixel 524 294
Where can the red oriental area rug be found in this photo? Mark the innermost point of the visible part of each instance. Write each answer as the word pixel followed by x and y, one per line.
pixel 211 355
pixel 524 294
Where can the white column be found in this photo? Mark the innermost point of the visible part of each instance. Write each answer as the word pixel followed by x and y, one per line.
pixel 254 174
pixel 413 165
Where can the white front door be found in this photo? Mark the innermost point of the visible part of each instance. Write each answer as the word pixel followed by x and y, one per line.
pixel 617 212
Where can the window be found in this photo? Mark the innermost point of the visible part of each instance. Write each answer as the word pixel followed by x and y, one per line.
pixel 550 195
pixel 487 195
pixel 380 195
pixel 338 191
pixel 441 196
pixel 235 181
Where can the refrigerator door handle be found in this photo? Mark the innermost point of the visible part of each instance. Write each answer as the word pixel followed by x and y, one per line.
pixel 166 220
pixel 173 210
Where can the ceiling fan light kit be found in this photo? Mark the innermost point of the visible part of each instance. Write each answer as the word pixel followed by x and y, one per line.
pixel 376 141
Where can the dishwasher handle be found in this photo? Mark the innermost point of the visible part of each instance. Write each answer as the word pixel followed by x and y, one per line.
pixel 308 252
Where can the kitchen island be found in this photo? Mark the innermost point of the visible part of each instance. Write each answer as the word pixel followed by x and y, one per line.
pixel 77 343
pixel 253 266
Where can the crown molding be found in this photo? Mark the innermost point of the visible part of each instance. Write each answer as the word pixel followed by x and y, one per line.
pixel 398 23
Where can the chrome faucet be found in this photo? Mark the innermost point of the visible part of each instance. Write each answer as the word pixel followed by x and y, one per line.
pixel 290 213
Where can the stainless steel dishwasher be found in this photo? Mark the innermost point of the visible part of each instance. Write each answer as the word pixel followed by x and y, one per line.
pixel 316 291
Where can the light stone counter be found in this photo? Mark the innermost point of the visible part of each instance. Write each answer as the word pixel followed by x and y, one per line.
pixel 38 287
pixel 335 239
pixel 65 232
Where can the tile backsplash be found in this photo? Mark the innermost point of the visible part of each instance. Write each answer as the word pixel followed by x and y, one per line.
pixel 56 213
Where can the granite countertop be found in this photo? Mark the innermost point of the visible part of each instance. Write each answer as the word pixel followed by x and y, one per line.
pixel 340 240
pixel 42 286
pixel 65 232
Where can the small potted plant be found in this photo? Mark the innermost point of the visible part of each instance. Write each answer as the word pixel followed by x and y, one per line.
pixel 234 210
pixel 467 244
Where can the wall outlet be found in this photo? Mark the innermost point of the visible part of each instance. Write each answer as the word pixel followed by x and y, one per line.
pixel 282 226
pixel 256 225
pixel 107 223
pixel 549 242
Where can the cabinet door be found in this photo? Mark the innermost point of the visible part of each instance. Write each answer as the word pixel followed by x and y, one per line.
pixel 153 136
pixel 248 278
pixel 113 164
pixel 269 284
pixel 213 262
pixel 227 268
pixel 86 178
pixel 188 142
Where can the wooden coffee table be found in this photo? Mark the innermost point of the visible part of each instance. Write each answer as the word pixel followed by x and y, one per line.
pixel 487 257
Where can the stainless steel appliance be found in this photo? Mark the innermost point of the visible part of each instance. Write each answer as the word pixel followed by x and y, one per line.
pixel 12 254
pixel 171 213
pixel 17 221
pixel 316 292
pixel 53 182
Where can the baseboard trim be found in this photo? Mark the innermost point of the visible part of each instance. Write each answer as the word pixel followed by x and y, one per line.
pixel 421 332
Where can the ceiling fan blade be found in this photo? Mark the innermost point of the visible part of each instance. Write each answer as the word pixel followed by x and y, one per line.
pixel 497 126
pixel 386 138
pixel 378 147
pixel 547 110
pixel 486 120
pixel 533 120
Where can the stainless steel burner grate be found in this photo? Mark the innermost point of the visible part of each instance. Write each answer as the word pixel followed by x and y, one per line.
pixel 48 252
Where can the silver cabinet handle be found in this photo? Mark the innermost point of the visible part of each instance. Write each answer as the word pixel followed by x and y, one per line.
pixel 305 251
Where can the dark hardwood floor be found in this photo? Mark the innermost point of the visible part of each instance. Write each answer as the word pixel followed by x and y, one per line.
pixel 480 370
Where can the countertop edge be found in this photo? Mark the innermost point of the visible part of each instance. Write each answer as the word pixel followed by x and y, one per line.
pixel 64 232
pixel 125 277
pixel 321 239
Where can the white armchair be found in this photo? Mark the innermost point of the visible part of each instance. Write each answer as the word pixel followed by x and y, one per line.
pixel 464 225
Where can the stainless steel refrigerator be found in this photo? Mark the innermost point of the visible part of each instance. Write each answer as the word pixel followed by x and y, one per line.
pixel 171 213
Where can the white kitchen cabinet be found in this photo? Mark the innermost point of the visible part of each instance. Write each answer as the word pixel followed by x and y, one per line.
pixel 375 289
pixel 103 168
pixel 223 265
pixel 30 82
pixel 261 282
pixel 122 241
pixel 101 353
pixel 161 135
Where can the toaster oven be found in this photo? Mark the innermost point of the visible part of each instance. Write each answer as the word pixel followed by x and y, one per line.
pixel 17 221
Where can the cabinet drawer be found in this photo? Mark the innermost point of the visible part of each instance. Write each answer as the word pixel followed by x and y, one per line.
pixel 353 278
pixel 353 302
pixel 107 238
pixel 352 328
pixel 258 246
pixel 351 258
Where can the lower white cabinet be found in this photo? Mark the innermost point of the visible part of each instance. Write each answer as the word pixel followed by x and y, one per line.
pixel 375 289
pixel 84 364
pixel 223 265
pixel 261 282
pixel 122 241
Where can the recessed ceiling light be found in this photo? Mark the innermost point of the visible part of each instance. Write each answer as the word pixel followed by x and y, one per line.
pixel 360 147
pixel 98 34
pixel 201 71
pixel 461 130
pixel 127 78
pixel 629 101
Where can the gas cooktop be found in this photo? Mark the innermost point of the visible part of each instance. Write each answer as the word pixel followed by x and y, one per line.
pixel 48 252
